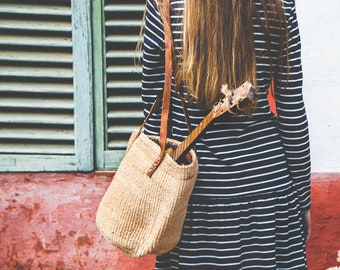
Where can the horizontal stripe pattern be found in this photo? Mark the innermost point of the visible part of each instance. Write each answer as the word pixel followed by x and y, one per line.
pixel 240 234
pixel 239 157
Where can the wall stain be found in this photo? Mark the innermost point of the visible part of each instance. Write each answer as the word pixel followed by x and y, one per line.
pixel 58 239
pixel 29 212
pixel 60 265
pixel 84 241
pixel 4 229
pixel 72 233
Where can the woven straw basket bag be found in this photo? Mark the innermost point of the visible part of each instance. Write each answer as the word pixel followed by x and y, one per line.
pixel 143 215
pixel 144 208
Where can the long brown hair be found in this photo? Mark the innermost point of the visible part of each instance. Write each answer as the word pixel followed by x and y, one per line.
pixel 218 44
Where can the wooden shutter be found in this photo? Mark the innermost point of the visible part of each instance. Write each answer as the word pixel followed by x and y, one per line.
pixel 122 111
pixel 43 51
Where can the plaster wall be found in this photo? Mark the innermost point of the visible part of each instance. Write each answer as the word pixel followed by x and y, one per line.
pixel 319 22
pixel 47 222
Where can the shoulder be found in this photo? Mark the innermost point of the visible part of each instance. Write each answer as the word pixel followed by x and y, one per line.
pixel 152 7
pixel 288 3
pixel 153 28
pixel 289 6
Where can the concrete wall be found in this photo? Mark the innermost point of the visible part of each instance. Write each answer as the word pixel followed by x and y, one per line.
pixel 319 25
pixel 47 222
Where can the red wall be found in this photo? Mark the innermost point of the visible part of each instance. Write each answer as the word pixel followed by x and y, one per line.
pixel 325 239
pixel 47 222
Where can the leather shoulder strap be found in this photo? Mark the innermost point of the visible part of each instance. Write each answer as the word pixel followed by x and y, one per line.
pixel 167 85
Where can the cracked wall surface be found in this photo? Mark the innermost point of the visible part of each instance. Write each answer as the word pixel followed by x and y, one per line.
pixel 47 221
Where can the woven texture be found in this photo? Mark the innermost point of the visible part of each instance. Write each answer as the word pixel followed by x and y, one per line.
pixel 143 215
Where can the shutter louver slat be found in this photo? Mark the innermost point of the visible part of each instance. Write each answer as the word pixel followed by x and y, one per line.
pixel 34 26
pixel 123 23
pixel 38 72
pixel 35 118
pixel 36 103
pixel 36 87
pixel 48 134
pixel 35 9
pixel 116 70
pixel 126 115
pixel 124 8
pixel 123 54
pixel 38 40
pixel 35 57
pixel 122 39
pixel 121 100
pixel 34 148
pixel 123 79
pixel 36 78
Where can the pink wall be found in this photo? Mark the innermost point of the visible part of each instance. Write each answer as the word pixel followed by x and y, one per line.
pixel 325 239
pixel 47 222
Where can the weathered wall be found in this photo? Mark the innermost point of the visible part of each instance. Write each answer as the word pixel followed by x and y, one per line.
pixel 47 222
pixel 319 21
pixel 325 240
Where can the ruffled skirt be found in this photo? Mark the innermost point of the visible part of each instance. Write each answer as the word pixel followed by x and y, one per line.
pixel 261 231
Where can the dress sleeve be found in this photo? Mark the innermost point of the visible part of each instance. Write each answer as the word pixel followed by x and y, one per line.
pixel 292 117
pixel 153 65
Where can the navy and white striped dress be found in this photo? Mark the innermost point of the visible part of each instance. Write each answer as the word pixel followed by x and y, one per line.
pixel 254 173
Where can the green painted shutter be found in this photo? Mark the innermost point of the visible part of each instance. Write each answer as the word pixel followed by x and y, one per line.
pixel 45 86
pixel 118 80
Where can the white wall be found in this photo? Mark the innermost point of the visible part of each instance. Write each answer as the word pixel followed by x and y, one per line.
pixel 319 22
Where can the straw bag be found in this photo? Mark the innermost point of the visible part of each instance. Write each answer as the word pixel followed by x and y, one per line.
pixel 141 214
pixel 144 208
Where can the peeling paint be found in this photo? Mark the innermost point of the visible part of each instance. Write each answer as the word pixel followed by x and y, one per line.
pixel 47 221
pixel 84 241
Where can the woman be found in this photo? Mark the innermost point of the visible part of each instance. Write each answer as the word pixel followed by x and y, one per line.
pixel 251 202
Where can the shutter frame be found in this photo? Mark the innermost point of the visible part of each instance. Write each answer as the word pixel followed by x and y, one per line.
pixel 118 82
pixel 99 82
pixel 83 83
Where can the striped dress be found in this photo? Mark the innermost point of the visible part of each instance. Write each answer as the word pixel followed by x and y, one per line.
pixel 254 173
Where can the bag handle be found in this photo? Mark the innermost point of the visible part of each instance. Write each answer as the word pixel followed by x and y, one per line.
pixel 167 86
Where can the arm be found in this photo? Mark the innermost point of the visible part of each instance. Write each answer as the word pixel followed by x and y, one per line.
pixel 291 113
pixel 307 228
pixel 153 64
